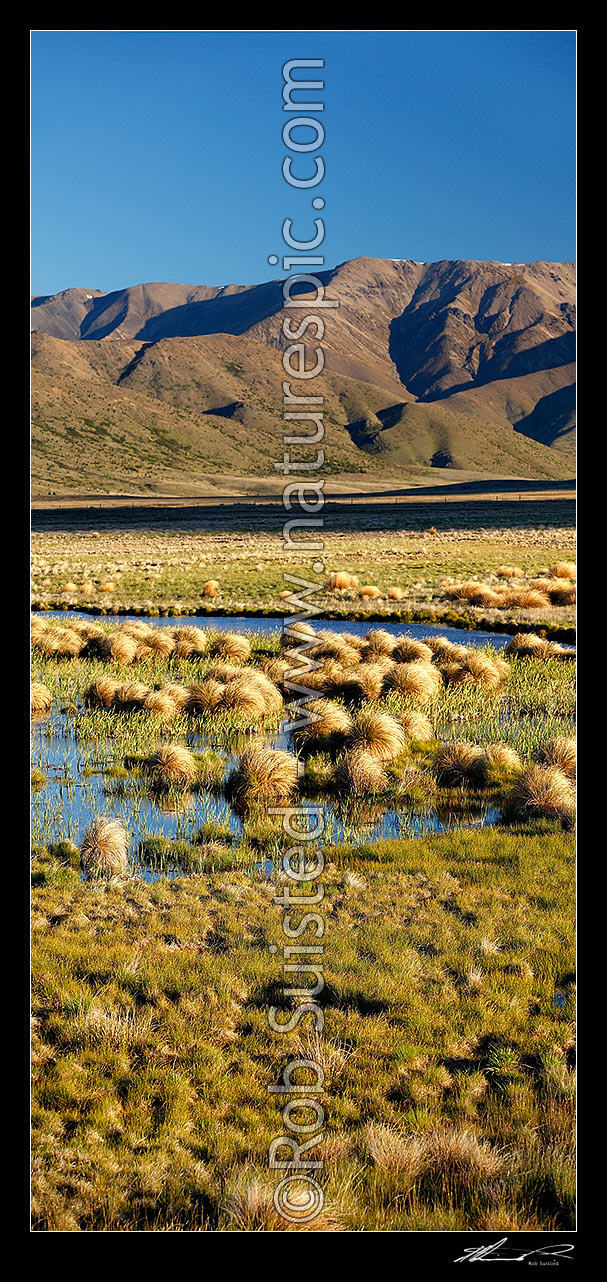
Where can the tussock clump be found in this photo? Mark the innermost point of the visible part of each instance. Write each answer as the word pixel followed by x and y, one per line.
pixel 396 594
pixel 563 570
pixel 528 599
pixel 161 705
pixel 189 641
pixel 131 696
pixel 331 645
pixel 461 763
pixel 262 775
pixel 231 645
pixel 378 734
pixel 102 693
pixel 158 641
pixel 419 680
pixel 340 580
pixel 172 765
pixel 135 628
pixel 561 592
pixel 408 650
pixel 461 591
pixel 38 627
pixel 455 1161
pixel 509 572
pixel 416 726
pixel 360 772
pixel 122 647
pixel 366 683
pixel 276 670
pixel 478 668
pixel 108 586
pixel 210 588
pixel 561 752
pixel 295 634
pixel 378 642
pixel 103 852
pixel 501 757
pixel 526 645
pixel 40 698
pixel 443 649
pixel 179 694
pixel 205 696
pixel 242 695
pixel 61 643
pixel 328 726
pixel 370 592
pixel 541 792
pixel 488 597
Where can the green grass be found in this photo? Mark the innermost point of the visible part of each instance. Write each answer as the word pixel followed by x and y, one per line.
pixel 447 1043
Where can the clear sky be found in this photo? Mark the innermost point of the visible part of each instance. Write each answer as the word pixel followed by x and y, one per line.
pixel 158 155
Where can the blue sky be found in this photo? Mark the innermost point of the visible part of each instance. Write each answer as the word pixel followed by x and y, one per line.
pixel 157 155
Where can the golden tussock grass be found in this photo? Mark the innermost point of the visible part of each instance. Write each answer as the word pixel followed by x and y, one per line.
pixel 161 705
pixel 408 650
pixel 510 572
pixel 331 645
pixel 210 588
pixel 419 680
pixel 103 852
pixel 107 586
pixel 528 599
pixel 378 642
pixel 296 633
pixel 172 765
pixel 341 580
pixel 365 682
pixel 262 775
pixel 242 695
pixel 205 696
pixel 541 791
pixel 122 648
pixel 563 570
pixel 101 693
pixel 560 752
pixel 231 645
pixel 396 594
pixel 158 641
pixel 360 772
pixel 443 649
pixel 461 763
pixel 478 668
pixel 179 694
pixel 416 725
pixel 40 698
pixel 130 696
pixel 189 641
pixel 328 720
pixel 378 734
pixel 370 592
pixel 502 757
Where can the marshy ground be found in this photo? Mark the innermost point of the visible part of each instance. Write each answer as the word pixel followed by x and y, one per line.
pixel 115 560
pixel 449 964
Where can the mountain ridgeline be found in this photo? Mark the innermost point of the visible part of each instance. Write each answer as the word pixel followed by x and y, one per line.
pixel 159 388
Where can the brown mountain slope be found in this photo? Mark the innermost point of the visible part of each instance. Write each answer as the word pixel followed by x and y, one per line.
pixel 451 364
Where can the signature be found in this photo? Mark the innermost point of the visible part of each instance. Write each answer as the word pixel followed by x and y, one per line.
pixel 499 1251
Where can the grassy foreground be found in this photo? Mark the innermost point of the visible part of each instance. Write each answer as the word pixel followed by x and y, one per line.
pixel 448 1043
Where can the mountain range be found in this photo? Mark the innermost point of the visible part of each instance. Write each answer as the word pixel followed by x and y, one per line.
pixel 433 370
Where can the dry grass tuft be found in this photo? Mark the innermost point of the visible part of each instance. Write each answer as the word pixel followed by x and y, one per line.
pixel 130 696
pixel 103 852
pixel 189 641
pixel 500 756
pixel 172 765
pixel 542 792
pixel 377 733
pixel 561 752
pixel 461 763
pixel 563 570
pixel 416 726
pixel 102 693
pixel 408 650
pixel 396 594
pixel 478 668
pixel 232 646
pixel 210 588
pixel 421 680
pixel 378 642
pixel 359 772
pixel 161 705
pixel 205 696
pixel 370 592
pixel 528 599
pixel 40 698
pixel 328 721
pixel 341 580
pixel 262 775
pixel 509 572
